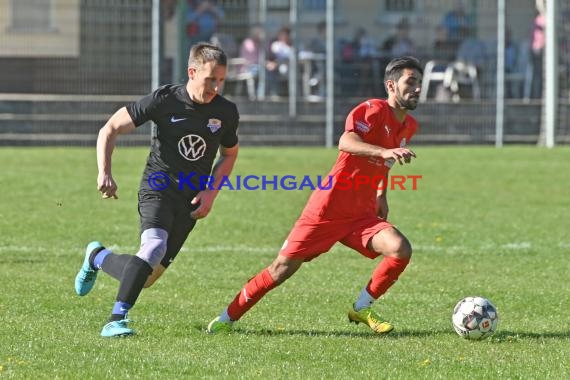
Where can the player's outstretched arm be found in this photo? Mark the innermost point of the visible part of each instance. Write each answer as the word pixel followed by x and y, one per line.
pixel 351 143
pixel 120 123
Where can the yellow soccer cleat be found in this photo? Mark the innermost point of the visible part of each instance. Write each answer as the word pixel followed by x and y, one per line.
pixel 370 318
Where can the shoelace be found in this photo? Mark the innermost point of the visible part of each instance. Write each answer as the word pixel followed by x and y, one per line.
pixel 123 323
pixel 374 317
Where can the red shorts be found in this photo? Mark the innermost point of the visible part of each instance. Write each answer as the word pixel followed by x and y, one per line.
pixel 312 236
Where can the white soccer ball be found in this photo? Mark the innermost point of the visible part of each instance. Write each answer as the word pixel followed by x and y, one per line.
pixel 475 318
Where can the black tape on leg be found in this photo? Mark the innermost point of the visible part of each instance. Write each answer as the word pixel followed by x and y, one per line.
pixel 133 279
pixel 114 265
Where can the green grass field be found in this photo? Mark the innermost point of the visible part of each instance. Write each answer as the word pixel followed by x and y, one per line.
pixel 482 221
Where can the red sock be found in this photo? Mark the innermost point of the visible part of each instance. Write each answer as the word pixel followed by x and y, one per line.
pixel 252 292
pixel 385 275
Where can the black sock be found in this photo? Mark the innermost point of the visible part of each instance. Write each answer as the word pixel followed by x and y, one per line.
pixel 116 317
pixel 133 279
pixel 114 265
pixel 92 256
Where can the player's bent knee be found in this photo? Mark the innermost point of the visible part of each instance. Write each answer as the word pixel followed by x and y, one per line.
pixel 404 250
pixel 153 246
pixel 153 252
pixel 398 247
pixel 392 244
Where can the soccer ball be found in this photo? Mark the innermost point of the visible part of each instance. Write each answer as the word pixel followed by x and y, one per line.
pixel 475 318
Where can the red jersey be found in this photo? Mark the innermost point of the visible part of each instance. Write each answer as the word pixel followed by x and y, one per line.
pixel 356 179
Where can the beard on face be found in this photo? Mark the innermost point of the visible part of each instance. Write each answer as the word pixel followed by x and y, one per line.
pixel 409 104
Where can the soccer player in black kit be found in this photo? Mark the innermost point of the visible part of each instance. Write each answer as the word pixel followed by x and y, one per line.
pixel 194 123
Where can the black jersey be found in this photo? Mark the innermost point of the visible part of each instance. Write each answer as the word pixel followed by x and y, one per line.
pixel 188 134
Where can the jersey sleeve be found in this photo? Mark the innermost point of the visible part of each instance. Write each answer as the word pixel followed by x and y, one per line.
pixel 144 109
pixel 364 118
pixel 230 137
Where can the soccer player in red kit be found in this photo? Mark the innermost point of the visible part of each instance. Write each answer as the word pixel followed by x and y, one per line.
pixel 354 209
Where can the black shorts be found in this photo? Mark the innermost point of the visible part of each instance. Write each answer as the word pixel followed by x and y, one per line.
pixel 171 212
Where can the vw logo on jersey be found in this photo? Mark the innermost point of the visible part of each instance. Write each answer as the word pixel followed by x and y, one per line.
pixel 214 125
pixel 192 147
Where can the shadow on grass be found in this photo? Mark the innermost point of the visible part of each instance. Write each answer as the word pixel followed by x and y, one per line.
pixel 506 336
pixel 500 336
pixel 396 334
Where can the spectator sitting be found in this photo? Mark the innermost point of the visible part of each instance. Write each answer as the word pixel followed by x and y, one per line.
pixel 511 52
pixel 361 47
pixel 399 44
pixel 202 20
pixel 473 50
pixel 456 22
pixel 363 54
pixel 474 56
pixel 280 50
pixel 445 49
pixel 318 44
pixel 250 49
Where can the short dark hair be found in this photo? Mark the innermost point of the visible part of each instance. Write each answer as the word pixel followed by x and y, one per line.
pixel 204 52
pixel 396 67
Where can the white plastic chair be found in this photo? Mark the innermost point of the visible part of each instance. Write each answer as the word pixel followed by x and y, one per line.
pixel 434 71
pixel 237 71
pixel 460 73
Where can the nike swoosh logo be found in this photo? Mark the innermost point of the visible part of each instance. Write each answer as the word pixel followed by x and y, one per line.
pixel 174 120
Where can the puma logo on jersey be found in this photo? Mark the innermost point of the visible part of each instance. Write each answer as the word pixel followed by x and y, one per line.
pixel 247 299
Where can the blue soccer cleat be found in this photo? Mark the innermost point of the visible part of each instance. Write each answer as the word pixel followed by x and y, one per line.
pixel 86 276
pixel 117 328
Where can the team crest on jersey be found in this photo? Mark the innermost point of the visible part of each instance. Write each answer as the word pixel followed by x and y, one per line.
pixel 214 125
pixel 192 147
pixel 362 126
